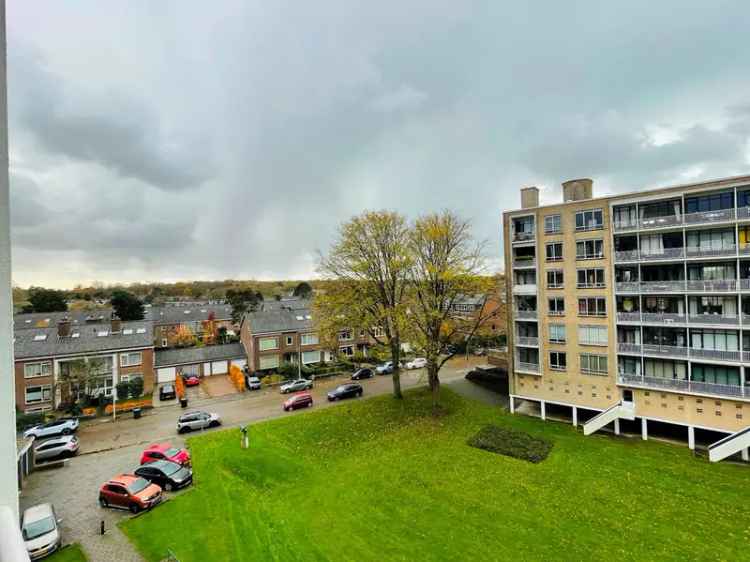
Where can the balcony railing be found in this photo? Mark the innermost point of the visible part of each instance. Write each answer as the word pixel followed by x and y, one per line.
pixel 680 352
pixel 626 256
pixel 665 254
pixel 628 287
pixel 712 285
pixel 623 225
pixel 744 284
pixel 623 347
pixel 659 222
pixel 744 249
pixel 527 367
pixel 523 237
pixel 698 252
pixel 714 319
pixel 683 385
pixel 715 354
pixel 628 316
pixel 524 262
pixel 662 286
pixel 743 212
pixel 665 350
pixel 527 341
pixel 664 317
pixel 710 216
pixel 527 289
pixel 525 314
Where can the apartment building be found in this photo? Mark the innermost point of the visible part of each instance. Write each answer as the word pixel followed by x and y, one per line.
pixel 636 306
pixel 116 351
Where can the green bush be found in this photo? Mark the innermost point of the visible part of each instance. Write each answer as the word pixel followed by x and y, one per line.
pixel 27 420
pixel 135 387
pixel 511 443
pixel 123 389
pixel 271 379
pixel 288 370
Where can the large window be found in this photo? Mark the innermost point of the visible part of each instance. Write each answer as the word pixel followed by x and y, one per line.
pixel 589 249
pixel 592 335
pixel 590 220
pixel 556 306
pixel 558 360
pixel 36 394
pixel 310 357
pixel 625 216
pixel 131 359
pixel 268 362
pixel 552 224
pixel 309 339
pixel 32 370
pixel 557 333
pixel 714 239
pixel 264 344
pixel 593 306
pixel 591 278
pixel 715 374
pixel 593 364
pixel 554 251
pixel 665 369
pixel 555 279
pixel 629 366
pixel 714 202
pixel 720 340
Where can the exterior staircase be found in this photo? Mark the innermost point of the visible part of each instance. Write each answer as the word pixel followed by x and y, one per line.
pixel 620 410
pixel 730 445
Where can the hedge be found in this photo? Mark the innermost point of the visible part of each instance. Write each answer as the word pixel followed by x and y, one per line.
pixel 511 443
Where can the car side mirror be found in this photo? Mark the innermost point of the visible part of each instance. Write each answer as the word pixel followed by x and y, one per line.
pixel 59 520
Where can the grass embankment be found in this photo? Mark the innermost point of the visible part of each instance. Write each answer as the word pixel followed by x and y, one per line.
pixel 70 553
pixel 381 479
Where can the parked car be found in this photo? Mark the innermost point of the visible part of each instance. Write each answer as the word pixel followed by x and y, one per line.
pixel 349 390
pixel 417 363
pixel 197 420
pixel 63 426
pixel 165 451
pixel 480 351
pixel 166 474
pixel 167 392
pixel 302 400
pixel 364 373
pixel 63 446
pixel 40 530
pixel 252 383
pixel 384 368
pixel 296 386
pixel 192 380
pixel 128 491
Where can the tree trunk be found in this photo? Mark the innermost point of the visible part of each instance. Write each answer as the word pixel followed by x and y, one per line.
pixel 396 358
pixel 434 380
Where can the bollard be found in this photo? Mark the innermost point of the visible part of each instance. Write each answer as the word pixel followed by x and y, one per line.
pixel 101 527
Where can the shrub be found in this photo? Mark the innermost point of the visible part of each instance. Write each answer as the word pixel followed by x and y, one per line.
pixel 511 443
pixel 27 420
pixel 123 390
pixel 492 379
pixel 272 379
pixel 135 387
pixel 288 370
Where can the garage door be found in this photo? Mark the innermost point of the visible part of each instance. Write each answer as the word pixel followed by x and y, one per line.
pixel 239 363
pixel 165 374
pixel 219 368
pixel 206 369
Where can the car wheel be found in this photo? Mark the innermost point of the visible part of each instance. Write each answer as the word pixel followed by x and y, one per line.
pixel 359 394
pixel 168 487
pixel 66 431
pixel 103 502
pixel 213 424
pixel 134 508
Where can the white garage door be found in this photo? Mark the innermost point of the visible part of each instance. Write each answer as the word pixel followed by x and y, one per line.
pixel 239 362
pixel 206 369
pixel 166 374
pixel 219 368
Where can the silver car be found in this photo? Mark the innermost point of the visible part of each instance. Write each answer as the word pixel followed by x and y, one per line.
pixel 197 420
pixel 40 530
pixel 63 426
pixel 296 386
pixel 253 383
pixel 65 446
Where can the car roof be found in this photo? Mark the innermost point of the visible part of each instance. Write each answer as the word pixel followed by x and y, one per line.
pixel 300 395
pixel 62 439
pixel 37 512
pixel 123 479
pixel 160 464
pixel 159 447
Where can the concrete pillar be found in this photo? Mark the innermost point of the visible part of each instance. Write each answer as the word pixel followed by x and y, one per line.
pixel 512 405
pixel 617 427
pixel 691 438
pixel 745 455
pixel 544 410
pixel 575 416
pixel 644 429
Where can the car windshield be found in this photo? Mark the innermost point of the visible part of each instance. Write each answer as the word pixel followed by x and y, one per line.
pixel 170 468
pixel 172 452
pixel 138 485
pixel 341 388
pixel 38 528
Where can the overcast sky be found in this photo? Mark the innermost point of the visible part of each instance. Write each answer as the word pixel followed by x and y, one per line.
pixel 211 140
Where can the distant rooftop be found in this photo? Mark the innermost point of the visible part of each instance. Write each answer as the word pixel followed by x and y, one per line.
pixel 199 354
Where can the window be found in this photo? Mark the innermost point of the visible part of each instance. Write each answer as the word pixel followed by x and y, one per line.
pixel 268 362
pixel 32 370
pixel 347 350
pixel 720 340
pixel 554 251
pixel 714 239
pixel 290 340
pixel 556 306
pixel 558 360
pixel 378 332
pixel 35 394
pixel 309 339
pixel 310 357
pixel 714 202
pixel 555 279
pixel 589 249
pixel 630 366
pixel 625 216
pixel 557 333
pixel 592 335
pixel 715 374
pixel 590 220
pixel 164 342
pixel 264 344
pixel 552 224
pixel 130 359
pixel 593 364
pixel 594 306
pixel 345 335
pixel 590 278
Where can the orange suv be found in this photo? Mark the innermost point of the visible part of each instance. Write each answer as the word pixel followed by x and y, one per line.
pixel 128 491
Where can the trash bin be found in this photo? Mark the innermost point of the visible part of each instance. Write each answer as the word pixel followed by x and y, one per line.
pixel 183 402
pixel 136 413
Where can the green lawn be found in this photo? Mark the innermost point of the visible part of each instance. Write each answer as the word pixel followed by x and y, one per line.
pixel 379 479
pixel 71 553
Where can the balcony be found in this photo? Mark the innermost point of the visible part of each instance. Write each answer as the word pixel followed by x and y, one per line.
pixel 626 256
pixel 744 249
pixel 712 285
pixel 523 237
pixel 527 368
pixel 522 263
pixel 525 314
pixel 744 284
pixel 664 318
pixel 682 385
pixel 662 286
pixel 628 316
pixel 714 319
pixel 665 350
pixel 527 341
pixel 743 213
pixel 715 355
pixel 698 252
pixel 527 289
pixel 665 254
pixel 628 287
pixel 709 217
pixel 680 352
pixel 661 222
pixel 626 225
pixel 632 348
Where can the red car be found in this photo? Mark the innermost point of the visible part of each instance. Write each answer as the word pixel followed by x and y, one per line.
pixel 128 491
pixel 301 400
pixel 192 381
pixel 165 451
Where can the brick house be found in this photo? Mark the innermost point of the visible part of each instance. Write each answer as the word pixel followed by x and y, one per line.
pixel 118 350
pixel 168 319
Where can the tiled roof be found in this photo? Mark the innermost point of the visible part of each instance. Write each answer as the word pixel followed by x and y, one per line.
pixel 32 320
pixel 199 354
pixel 178 314
pixel 265 321
pixel 44 342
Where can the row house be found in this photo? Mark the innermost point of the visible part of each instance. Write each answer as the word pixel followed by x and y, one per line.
pixel 168 321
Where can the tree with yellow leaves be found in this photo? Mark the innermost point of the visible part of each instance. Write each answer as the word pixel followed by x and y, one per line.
pixel 184 336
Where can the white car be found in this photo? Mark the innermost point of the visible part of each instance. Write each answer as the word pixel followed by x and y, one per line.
pixel 197 420
pixel 384 368
pixel 418 363
pixel 39 527
pixel 63 426
pixel 63 446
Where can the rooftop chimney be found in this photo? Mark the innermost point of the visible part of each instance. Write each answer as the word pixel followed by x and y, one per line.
pixel 577 190
pixel 63 327
pixel 116 324
pixel 529 197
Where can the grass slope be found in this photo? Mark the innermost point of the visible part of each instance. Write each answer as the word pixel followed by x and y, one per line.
pixel 70 553
pixel 380 479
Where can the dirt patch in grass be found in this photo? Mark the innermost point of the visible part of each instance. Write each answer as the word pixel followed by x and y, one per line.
pixel 511 443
